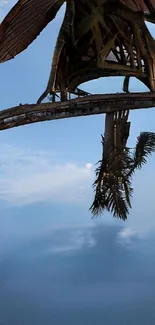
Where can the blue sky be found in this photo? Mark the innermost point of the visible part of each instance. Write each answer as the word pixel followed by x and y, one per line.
pixel 57 265
pixel 44 179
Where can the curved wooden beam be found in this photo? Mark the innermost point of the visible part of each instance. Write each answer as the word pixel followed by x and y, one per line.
pixel 84 106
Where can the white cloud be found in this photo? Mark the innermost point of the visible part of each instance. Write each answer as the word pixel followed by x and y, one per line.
pixel 128 234
pixel 28 177
pixel 89 166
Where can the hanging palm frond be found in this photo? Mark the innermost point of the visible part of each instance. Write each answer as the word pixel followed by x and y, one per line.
pixel 113 190
pixel 117 203
pixel 113 195
pixel 145 146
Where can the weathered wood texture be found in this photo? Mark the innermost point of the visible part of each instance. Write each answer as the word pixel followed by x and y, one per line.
pixel 89 105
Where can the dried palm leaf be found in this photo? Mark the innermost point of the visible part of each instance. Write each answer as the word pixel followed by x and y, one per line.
pixel 24 23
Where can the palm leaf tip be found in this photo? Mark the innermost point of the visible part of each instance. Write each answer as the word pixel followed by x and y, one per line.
pixel 97 206
pixel 145 146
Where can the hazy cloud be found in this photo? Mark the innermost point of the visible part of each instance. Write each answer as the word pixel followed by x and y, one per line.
pixel 28 177
pixel 128 234
pixel 72 240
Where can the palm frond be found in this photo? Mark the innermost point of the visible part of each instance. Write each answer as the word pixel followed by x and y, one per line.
pixel 128 191
pixel 98 205
pixel 145 146
pixel 23 24
pixel 113 194
pixel 113 189
pixel 118 204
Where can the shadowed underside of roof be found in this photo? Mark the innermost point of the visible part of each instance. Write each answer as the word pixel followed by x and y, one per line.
pixel 146 6
pixel 106 40
pixel 29 17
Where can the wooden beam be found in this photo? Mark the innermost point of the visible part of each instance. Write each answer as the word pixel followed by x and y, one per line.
pixel 84 106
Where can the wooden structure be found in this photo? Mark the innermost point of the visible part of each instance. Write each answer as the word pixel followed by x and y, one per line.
pixel 98 38
pixel 105 38
pixel 85 106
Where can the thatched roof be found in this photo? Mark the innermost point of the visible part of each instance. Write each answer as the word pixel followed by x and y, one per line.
pixel 97 38
pixel 106 40
pixel 28 18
